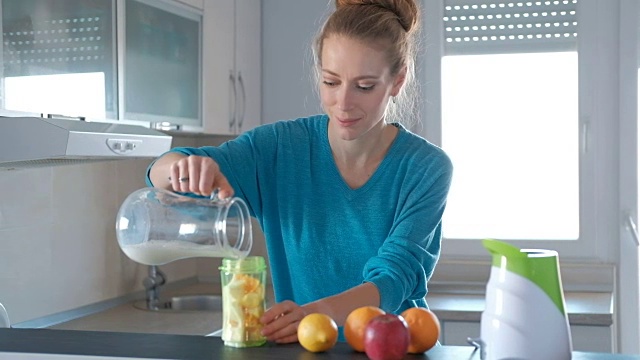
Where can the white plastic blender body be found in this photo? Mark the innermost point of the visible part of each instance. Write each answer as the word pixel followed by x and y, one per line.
pixel 524 316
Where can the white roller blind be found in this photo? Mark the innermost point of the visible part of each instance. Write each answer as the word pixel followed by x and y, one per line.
pixel 504 26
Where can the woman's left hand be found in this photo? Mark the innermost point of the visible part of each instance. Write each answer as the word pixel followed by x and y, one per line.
pixel 281 322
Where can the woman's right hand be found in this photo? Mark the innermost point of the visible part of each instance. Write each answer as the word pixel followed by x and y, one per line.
pixel 199 175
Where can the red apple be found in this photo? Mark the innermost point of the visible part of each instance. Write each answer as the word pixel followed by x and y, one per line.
pixel 386 337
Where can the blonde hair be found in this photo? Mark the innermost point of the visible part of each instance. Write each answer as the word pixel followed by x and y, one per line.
pixel 392 23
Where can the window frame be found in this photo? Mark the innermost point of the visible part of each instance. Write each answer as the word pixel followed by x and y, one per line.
pixel 598 114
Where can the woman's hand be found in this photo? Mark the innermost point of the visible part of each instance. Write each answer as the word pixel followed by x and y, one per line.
pixel 281 322
pixel 199 175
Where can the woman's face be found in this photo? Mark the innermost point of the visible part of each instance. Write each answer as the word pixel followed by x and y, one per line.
pixel 355 87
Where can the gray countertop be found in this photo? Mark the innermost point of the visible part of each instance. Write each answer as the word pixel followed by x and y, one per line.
pixel 129 318
pixel 584 308
pixel 161 346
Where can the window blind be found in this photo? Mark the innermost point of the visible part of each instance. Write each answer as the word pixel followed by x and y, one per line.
pixel 507 26
pixel 47 37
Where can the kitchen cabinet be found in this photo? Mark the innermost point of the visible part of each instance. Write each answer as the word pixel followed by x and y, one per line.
pixel 198 4
pixel 583 337
pixel 140 63
pixel 161 59
pixel 59 58
pixel 231 66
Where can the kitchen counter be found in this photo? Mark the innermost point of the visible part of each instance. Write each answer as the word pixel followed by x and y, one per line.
pixel 583 308
pixel 162 346
pixel 127 318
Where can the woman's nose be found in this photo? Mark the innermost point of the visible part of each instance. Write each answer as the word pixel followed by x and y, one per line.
pixel 345 98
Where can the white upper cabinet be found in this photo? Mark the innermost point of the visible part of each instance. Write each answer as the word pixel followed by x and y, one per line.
pixel 231 66
pixel 161 63
pixel 171 64
pixel 198 4
pixel 59 59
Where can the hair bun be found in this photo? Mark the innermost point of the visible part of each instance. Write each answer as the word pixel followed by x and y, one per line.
pixel 405 10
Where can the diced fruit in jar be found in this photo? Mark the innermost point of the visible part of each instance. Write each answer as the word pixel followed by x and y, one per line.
pixel 243 305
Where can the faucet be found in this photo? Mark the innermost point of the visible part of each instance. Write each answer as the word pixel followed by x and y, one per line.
pixel 152 285
pixel 4 317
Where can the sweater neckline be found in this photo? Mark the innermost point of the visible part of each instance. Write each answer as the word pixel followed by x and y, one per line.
pixel 345 188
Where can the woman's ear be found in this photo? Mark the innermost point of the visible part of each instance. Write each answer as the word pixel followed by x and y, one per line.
pixel 399 81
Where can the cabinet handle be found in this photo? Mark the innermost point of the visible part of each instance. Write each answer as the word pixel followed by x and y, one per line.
pixel 243 108
pixel 584 134
pixel 232 100
pixel 633 229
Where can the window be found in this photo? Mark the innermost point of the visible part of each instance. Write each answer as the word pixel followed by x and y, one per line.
pixel 515 136
pixel 517 87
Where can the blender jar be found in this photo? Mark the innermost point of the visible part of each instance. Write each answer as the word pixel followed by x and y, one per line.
pixel 243 301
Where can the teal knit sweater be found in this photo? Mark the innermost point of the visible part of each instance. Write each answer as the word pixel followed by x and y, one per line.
pixel 324 237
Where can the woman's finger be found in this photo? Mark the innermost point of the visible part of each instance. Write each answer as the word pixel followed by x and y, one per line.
pixel 194 171
pixel 289 334
pixel 281 322
pixel 174 175
pixel 183 175
pixel 221 183
pixel 207 173
pixel 282 328
pixel 278 310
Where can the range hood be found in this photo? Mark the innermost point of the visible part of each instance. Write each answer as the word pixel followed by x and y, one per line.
pixel 38 140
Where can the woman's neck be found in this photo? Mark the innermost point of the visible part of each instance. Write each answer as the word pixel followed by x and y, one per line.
pixel 358 159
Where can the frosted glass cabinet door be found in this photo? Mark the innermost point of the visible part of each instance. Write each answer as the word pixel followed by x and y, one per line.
pixel 162 70
pixel 58 57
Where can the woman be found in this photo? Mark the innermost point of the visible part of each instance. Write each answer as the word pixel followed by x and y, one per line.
pixel 350 201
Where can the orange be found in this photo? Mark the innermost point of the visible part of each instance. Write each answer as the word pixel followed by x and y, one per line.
pixel 356 324
pixel 424 329
pixel 317 332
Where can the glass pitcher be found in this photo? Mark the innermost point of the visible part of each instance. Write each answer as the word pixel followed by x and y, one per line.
pixel 156 226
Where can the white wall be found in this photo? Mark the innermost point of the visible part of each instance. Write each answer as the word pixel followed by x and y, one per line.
pixel 58 249
pixel 288 31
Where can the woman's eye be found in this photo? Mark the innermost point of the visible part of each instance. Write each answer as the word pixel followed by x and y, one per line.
pixel 329 83
pixel 365 88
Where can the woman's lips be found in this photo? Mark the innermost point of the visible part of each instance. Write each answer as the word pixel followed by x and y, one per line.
pixel 347 121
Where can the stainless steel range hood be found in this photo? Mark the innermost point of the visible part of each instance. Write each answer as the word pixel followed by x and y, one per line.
pixel 32 140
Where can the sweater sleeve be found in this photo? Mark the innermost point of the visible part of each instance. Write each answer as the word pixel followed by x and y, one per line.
pixel 239 160
pixel 407 258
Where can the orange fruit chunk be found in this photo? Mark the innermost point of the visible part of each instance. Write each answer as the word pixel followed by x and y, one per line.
pixel 317 332
pixel 251 284
pixel 356 323
pixel 424 329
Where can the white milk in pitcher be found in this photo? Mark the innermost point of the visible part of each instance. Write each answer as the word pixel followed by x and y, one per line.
pixel 160 252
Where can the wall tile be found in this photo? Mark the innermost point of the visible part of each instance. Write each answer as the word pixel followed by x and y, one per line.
pixel 58 244
pixel 25 198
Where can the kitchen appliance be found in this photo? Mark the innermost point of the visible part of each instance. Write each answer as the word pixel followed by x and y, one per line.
pixel 524 316
pixel 32 140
